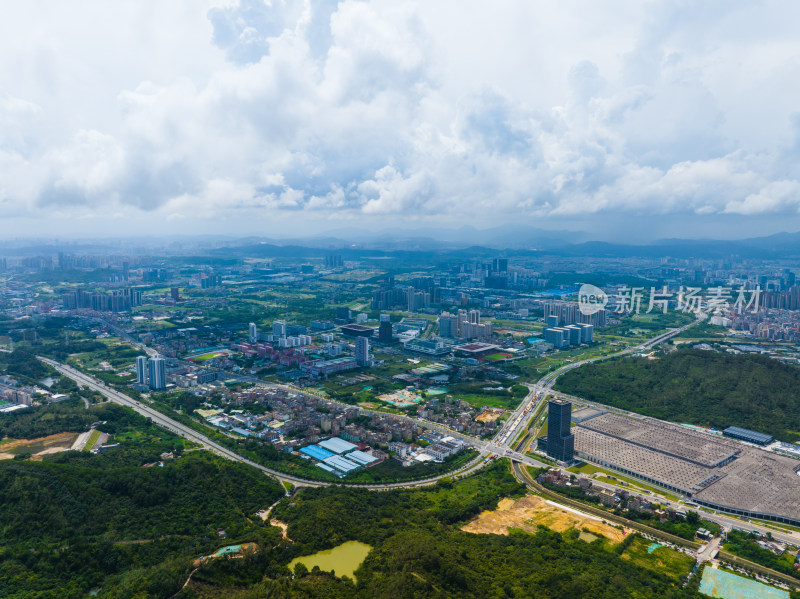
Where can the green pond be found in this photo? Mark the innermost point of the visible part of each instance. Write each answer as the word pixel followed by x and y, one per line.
pixel 343 560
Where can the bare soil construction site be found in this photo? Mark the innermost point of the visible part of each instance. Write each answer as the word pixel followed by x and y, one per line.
pixel 532 511
pixel 9 448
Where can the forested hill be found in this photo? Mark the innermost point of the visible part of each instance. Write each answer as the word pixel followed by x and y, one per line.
pixel 80 522
pixel 707 388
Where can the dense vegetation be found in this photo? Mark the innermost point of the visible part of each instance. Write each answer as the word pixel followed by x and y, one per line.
pixel 77 521
pixel 419 551
pixel 22 365
pixel 703 330
pixel 744 545
pixel 70 416
pixel 81 521
pixel 697 387
pixel 684 527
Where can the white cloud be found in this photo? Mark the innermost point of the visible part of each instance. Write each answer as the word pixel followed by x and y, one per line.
pixel 783 196
pixel 520 111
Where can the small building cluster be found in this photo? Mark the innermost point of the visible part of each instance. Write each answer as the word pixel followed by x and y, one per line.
pixel 11 392
pixel 293 421
pixel 339 457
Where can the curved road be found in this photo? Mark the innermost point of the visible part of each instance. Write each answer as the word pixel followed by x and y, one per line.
pixel 544 387
pixel 525 412
pixel 192 435
pixel 500 444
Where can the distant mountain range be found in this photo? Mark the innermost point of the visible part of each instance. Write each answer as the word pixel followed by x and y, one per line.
pixel 516 240
pixel 464 242
pixel 781 245
pixel 504 236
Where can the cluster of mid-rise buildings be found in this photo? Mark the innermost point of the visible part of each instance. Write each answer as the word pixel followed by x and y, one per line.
pixel 465 324
pixel 118 300
pixel 421 293
pixel 568 335
pixel 11 391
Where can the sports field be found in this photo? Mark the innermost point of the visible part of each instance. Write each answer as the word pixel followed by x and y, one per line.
pixel 208 356
pixel 496 357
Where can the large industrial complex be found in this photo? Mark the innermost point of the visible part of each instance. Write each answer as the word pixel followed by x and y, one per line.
pixel 711 470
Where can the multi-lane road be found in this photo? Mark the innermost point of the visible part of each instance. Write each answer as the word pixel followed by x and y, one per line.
pixel 192 435
pixel 525 412
pixel 485 447
pixel 503 444
pixel 500 445
pixel 543 388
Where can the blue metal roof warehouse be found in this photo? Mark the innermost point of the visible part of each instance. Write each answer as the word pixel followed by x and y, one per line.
pixel 747 435
pixel 316 452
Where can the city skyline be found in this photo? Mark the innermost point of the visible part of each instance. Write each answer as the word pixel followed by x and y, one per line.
pixel 374 298
pixel 634 121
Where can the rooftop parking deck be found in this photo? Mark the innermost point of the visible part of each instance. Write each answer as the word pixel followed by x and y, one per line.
pixel 718 473
pixel 672 439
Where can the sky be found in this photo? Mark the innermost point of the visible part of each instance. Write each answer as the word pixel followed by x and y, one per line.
pixel 627 119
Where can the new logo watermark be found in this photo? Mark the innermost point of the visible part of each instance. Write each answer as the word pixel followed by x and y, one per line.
pixel 591 299
pixel 632 300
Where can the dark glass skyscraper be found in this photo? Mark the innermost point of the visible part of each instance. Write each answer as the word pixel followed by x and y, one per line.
pixel 560 440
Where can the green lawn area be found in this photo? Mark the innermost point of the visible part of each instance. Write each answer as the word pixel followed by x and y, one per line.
pixel 390 368
pixel 117 353
pixel 497 357
pixel 92 441
pixel 664 560
pixel 645 325
pixel 208 356
pixel 490 401
pixel 534 368
pixel 585 468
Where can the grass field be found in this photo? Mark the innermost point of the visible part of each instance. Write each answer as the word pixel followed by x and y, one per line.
pixel 585 468
pixel 668 561
pixel 496 357
pixel 205 357
pixel 488 401
pixel 92 440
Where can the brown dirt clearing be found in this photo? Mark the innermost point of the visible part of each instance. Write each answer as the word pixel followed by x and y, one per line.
pixel 531 511
pixel 40 446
